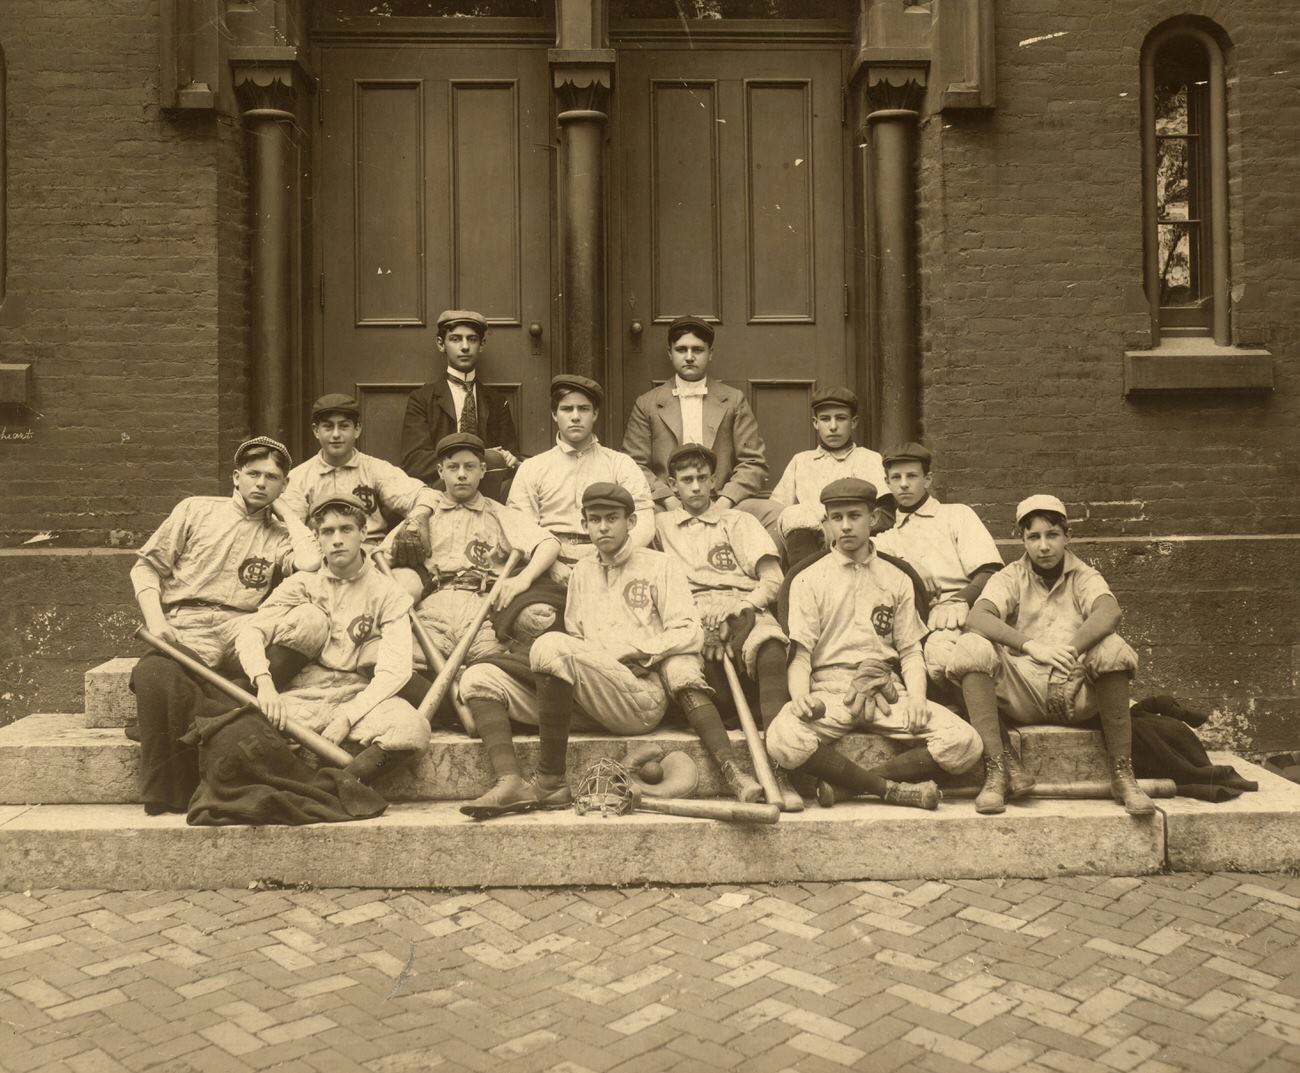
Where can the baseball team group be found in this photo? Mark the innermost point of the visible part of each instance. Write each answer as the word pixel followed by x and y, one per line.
pixel 597 589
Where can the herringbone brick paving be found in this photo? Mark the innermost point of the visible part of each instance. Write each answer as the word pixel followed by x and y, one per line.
pixel 1161 974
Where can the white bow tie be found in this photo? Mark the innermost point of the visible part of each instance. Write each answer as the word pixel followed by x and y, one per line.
pixel 691 391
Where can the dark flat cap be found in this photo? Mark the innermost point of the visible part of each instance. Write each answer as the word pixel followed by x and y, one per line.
pixel 849 490
pixel 335 403
pixel 608 494
pixel 835 396
pixel 334 502
pixel 693 324
pixel 908 452
pixel 574 382
pixel 692 450
pixel 459 441
pixel 448 317
pixel 286 459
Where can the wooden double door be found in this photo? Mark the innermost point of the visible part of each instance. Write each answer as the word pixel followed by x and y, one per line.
pixel 436 189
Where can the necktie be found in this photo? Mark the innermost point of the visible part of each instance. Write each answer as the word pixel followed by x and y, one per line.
pixel 469 412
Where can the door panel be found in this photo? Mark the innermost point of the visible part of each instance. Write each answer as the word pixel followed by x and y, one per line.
pixel 731 185
pixel 435 193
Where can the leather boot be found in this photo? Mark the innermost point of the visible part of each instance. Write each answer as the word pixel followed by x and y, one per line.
pixel 743 786
pixel 1019 781
pixel 992 797
pixel 1125 790
pixel 552 791
pixel 791 800
pixel 510 793
pixel 374 760
pixel 924 795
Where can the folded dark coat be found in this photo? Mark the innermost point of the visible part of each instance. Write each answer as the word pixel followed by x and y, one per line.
pixel 1165 748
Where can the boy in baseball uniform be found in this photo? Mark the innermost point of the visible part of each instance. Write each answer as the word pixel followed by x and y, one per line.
pixel 348 692
pixel 946 543
pixel 632 641
pixel 1040 647
pixel 734 571
pixel 835 422
pixel 549 487
pixel 469 538
pixel 856 663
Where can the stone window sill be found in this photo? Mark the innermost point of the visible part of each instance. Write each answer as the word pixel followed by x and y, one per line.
pixel 1197 365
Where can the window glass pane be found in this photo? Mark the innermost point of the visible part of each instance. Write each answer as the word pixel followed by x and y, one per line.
pixel 730 9
pixel 1173 179
pixel 1171 109
pixel 1180 276
pixel 516 9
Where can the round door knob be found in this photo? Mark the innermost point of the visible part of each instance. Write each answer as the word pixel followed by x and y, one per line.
pixel 637 327
pixel 535 330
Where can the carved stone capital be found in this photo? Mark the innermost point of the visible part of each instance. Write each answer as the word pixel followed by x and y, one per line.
pixel 270 79
pixel 894 86
pixel 582 78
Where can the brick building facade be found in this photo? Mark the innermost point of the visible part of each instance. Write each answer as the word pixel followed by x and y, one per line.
pixel 134 292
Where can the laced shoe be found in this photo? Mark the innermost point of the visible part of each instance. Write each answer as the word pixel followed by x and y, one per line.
pixel 552 791
pixel 791 800
pixel 510 793
pixel 924 795
pixel 743 786
pixel 1019 781
pixel 1125 789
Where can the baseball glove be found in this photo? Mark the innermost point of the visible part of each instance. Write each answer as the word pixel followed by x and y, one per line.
pixel 410 547
pixel 871 692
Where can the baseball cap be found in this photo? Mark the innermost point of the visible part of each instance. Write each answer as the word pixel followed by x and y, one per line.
pixel 335 403
pixel 448 317
pixel 286 459
pixel 908 452
pixel 693 324
pixel 336 501
pixel 574 382
pixel 457 441
pixel 693 450
pixel 1039 502
pixel 835 396
pixel 849 489
pixel 608 494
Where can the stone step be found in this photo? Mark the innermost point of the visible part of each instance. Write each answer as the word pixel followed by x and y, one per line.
pixel 54 759
pixel 109 700
pixel 430 844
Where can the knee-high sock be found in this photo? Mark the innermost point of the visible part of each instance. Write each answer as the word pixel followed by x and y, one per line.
pixel 493 724
pixel 773 686
pixel 915 765
pixel 1116 723
pixel 554 713
pixel 416 689
pixel 703 716
pixel 981 697
pixel 831 766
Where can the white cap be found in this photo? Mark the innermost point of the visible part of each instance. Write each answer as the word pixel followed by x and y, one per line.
pixel 1039 502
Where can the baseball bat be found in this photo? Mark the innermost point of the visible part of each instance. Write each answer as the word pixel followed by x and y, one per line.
pixel 447 676
pixel 431 654
pixel 757 750
pixel 1079 791
pixel 731 811
pixel 308 739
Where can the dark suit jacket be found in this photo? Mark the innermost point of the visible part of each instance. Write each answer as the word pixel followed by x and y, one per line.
pixel 431 415
pixel 654 428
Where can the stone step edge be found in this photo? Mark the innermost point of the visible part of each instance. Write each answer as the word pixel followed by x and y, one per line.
pixel 50 758
pixel 433 845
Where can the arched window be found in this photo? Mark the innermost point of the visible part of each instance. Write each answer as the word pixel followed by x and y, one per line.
pixel 1185 183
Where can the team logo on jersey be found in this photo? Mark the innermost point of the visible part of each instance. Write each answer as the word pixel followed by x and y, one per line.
pixel 722 557
pixel 639 594
pixel 368 496
pixel 479 552
pixel 360 628
pixel 882 618
pixel 254 572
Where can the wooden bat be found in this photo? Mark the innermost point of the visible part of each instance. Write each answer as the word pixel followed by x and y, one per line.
pixel 431 654
pixel 1078 791
pixel 309 739
pixel 757 750
pixel 447 676
pixel 731 811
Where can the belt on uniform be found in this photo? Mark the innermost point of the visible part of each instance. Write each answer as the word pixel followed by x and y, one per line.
pixel 572 538
pixel 465 580
pixel 210 604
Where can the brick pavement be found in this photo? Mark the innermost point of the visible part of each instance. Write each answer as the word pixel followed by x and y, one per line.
pixel 1078 975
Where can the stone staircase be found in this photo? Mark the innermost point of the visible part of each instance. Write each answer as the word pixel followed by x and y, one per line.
pixel 69 818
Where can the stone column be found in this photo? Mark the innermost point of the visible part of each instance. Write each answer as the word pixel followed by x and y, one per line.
pixel 582 85
pixel 268 95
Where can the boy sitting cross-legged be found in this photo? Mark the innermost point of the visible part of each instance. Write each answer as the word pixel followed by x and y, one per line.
pixel 856 664
pixel 348 692
pixel 836 456
pixel 1041 647
pixel 633 640
pixel 732 565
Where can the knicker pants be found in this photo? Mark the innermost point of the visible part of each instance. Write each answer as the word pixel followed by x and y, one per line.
pixel 392 724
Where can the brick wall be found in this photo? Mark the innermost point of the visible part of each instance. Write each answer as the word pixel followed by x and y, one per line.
pixel 116 294
pixel 1032 259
